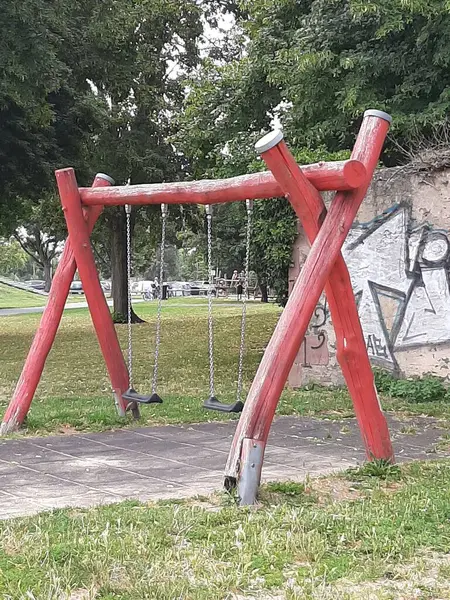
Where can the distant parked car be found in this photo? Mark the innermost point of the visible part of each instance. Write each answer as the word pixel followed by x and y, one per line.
pixel 76 287
pixel 200 288
pixel 179 288
pixel 106 286
pixel 36 284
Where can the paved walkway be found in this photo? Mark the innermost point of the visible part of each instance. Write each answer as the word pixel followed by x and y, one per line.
pixel 172 462
pixel 12 312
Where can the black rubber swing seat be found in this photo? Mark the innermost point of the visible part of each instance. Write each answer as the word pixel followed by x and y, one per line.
pixel 132 396
pixel 213 404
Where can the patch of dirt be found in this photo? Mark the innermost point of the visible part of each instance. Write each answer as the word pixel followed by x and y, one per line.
pixel 67 430
pixel 335 489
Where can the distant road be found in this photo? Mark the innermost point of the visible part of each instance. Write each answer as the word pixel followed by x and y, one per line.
pixel 11 312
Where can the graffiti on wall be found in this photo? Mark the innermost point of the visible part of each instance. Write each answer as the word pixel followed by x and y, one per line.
pixel 314 349
pixel 400 276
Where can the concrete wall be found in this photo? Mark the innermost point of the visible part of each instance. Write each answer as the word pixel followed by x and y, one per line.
pixel 398 255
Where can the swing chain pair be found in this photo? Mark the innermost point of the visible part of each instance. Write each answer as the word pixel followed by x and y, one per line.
pixel 131 395
pixel 209 213
pixel 130 335
pixel 212 403
pixel 164 213
pixel 249 206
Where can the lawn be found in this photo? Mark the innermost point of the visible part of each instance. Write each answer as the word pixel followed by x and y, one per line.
pixel 75 391
pixel 13 298
pixel 349 537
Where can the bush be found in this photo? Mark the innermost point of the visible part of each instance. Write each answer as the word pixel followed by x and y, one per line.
pixel 417 389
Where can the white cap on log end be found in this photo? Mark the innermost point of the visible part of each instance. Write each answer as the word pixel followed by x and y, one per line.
pixel 372 112
pixel 269 141
pixel 106 178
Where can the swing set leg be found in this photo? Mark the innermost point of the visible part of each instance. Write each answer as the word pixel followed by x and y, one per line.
pixel 98 307
pixel 43 340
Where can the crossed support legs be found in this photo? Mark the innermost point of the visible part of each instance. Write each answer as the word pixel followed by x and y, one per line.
pixel 324 263
pixel 43 340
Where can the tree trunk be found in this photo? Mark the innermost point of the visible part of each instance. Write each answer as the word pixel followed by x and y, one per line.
pixel 264 292
pixel 48 275
pixel 119 283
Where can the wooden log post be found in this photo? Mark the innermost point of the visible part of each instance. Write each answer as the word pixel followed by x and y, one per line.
pixel 98 307
pixel 267 386
pixel 43 340
pixel 340 175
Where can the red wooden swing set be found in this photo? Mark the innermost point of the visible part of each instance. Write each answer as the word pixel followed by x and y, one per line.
pixel 324 268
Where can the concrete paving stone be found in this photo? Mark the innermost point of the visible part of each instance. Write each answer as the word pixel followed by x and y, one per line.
pixel 336 451
pixel 215 428
pixel 136 445
pixel 288 442
pixel 17 479
pixel 30 454
pixel 422 422
pixel 95 475
pixel 22 509
pixel 169 471
pixel 221 444
pixel 35 489
pixel 288 423
pixel 143 448
pixel 302 460
pixel 125 490
pixel 422 441
pixel 72 448
pixel 178 453
pixel 174 432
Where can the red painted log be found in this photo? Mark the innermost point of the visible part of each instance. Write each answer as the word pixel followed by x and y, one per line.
pixel 43 340
pixel 351 348
pixel 343 175
pixel 98 307
pixel 287 338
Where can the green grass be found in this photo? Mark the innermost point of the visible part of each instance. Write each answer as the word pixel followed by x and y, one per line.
pixel 13 298
pixel 390 540
pixel 75 392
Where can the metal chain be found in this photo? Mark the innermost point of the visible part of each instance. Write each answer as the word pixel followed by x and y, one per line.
pixel 249 204
pixel 160 295
pixel 130 335
pixel 210 313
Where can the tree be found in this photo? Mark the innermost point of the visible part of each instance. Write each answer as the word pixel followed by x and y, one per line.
pixel 329 61
pixel 12 258
pixel 135 61
pixel 40 248
pixel 42 232
pixel 45 120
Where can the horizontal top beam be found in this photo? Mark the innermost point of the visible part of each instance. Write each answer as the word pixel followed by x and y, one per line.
pixel 339 175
